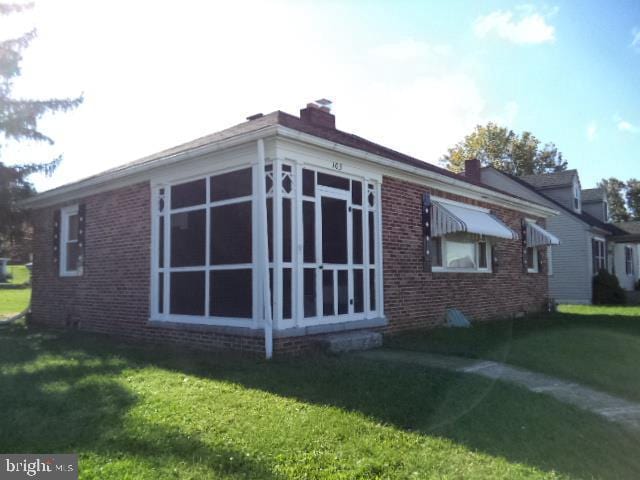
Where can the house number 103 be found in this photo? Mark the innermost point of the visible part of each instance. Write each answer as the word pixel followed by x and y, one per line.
pixel 337 166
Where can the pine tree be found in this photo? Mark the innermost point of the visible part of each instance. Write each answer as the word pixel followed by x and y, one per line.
pixel 19 122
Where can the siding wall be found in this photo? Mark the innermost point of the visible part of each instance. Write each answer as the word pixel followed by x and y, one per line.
pixel 563 195
pixel 627 282
pixel 595 209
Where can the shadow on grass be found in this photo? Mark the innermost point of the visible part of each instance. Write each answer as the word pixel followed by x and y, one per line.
pixel 62 396
pixel 494 418
pixel 497 337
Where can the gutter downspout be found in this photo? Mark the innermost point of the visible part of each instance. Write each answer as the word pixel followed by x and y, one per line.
pixel 263 254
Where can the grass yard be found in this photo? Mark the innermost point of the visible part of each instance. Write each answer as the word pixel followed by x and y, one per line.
pixel 155 413
pixel 15 300
pixel 597 346
pixel 19 274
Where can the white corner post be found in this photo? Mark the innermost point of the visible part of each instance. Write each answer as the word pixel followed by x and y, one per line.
pixel 263 254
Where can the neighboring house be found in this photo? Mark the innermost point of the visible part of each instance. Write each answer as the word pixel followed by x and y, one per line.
pixel 627 254
pixel 188 245
pixel 581 226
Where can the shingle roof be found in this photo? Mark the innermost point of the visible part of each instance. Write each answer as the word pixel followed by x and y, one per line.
pixel 585 217
pixel 290 121
pixel 550 180
pixel 629 227
pixel 592 195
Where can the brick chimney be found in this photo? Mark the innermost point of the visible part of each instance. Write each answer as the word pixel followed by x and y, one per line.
pixel 319 114
pixel 472 170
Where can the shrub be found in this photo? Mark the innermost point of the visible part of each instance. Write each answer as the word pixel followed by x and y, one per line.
pixel 607 289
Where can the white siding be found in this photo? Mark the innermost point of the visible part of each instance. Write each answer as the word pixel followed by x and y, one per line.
pixel 627 282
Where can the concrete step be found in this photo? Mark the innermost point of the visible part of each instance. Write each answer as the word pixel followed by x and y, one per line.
pixel 352 341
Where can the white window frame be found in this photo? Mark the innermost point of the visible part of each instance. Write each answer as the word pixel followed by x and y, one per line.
pixel 65 214
pixel 628 260
pixel 602 259
pixel 443 256
pixel 577 195
pixel 535 268
pixel 297 311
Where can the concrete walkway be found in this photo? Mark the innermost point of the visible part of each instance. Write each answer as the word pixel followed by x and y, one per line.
pixel 608 406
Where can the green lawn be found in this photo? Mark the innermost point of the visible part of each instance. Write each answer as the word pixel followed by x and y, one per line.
pixel 156 413
pixel 15 300
pixel 19 274
pixel 597 346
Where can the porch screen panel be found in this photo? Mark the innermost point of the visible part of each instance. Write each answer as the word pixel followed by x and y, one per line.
pixel 231 293
pixel 309 289
pixel 187 293
pixel 188 238
pixel 231 234
pixel 208 243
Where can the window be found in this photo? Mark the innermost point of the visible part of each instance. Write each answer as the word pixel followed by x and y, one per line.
pixel 628 260
pixel 460 252
pixel 599 255
pixel 532 259
pixel 69 243
pixel 576 194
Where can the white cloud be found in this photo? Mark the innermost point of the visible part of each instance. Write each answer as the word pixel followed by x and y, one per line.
pixel 625 126
pixel 528 27
pixel 592 130
pixel 635 42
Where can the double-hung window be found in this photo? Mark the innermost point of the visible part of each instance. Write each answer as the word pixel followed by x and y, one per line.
pixel 461 252
pixel 599 255
pixel 628 260
pixel 69 242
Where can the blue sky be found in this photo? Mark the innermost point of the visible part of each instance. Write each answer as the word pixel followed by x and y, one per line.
pixel 415 76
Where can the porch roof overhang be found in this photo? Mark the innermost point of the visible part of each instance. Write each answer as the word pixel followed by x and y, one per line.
pixel 449 218
pixel 538 236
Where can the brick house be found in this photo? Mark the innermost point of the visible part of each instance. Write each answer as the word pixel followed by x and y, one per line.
pixel 276 232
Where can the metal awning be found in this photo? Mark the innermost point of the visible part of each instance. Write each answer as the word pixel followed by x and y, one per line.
pixel 538 236
pixel 449 218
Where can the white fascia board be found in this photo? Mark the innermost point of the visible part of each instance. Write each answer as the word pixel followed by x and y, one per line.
pixel 136 173
pixel 425 177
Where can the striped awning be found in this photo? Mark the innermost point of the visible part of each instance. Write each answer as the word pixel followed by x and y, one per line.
pixel 538 236
pixel 449 218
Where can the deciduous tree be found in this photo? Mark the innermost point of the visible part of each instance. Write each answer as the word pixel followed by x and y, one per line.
pixel 615 190
pixel 505 150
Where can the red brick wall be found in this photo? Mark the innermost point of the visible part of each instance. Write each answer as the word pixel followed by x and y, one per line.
pixel 415 299
pixel 112 295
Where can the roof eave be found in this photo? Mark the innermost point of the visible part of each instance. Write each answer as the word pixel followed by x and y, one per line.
pixel 487 194
pixel 58 194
